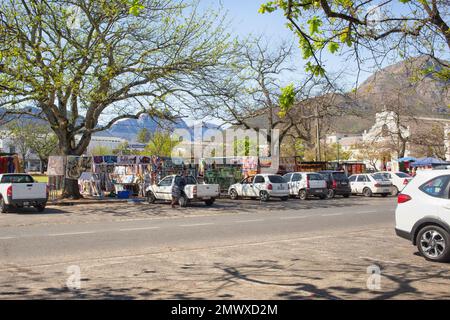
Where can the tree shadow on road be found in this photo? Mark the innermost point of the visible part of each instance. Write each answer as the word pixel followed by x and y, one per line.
pixel 295 279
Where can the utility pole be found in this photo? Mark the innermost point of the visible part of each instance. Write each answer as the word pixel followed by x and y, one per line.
pixel 318 151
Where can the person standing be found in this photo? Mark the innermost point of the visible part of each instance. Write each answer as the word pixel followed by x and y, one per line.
pixel 178 189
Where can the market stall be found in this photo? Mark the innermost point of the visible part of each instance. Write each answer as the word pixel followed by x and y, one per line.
pixel 225 171
pixel 9 163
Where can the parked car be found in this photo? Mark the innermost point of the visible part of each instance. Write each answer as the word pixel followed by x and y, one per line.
pixel 337 183
pixel 423 214
pixel 399 180
pixel 20 190
pixel 370 184
pixel 306 184
pixel 193 191
pixel 262 186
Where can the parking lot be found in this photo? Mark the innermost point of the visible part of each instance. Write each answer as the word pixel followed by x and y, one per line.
pixel 241 249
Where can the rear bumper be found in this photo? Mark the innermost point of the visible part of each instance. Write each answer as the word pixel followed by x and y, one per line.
pixel 26 202
pixel 279 194
pixel 317 192
pixel 341 191
pixel 382 190
pixel 403 234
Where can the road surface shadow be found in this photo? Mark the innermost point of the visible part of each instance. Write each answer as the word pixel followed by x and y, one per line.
pixel 294 279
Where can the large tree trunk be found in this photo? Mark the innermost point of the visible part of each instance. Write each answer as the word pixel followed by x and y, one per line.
pixel 71 189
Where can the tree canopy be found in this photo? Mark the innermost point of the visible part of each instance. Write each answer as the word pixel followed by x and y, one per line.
pixel 83 65
pixel 366 29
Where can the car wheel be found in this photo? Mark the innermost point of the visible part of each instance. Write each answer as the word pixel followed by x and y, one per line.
pixel 233 194
pixel 3 206
pixel 395 191
pixel 367 192
pixel 264 196
pixel 284 198
pixel 331 194
pixel 151 197
pixel 346 195
pixel 302 194
pixel 433 244
pixel 209 202
pixel 40 207
pixel 183 201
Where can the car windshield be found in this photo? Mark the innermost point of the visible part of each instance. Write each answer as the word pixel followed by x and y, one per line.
pixel 339 176
pixel 379 177
pixel 17 179
pixel 276 179
pixel 402 175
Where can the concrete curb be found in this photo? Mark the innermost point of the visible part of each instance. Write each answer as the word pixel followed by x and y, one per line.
pixel 83 202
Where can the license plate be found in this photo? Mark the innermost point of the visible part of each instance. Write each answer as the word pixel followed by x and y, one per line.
pixel 318 190
pixel 26 203
pixel 344 183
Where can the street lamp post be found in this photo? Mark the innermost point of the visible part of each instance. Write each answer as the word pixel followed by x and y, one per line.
pixel 338 160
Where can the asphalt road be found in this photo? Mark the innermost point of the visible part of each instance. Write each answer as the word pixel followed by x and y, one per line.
pixel 234 250
pixel 47 243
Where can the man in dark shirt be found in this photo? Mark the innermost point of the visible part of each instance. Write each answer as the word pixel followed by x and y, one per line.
pixel 178 188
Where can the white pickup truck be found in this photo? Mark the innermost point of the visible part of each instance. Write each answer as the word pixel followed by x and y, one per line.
pixel 20 190
pixel 193 191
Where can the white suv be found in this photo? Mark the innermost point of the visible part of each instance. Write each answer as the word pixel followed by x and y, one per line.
pixel 423 214
pixel 262 186
pixel 305 184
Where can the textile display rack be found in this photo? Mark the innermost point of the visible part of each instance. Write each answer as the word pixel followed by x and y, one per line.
pixel 123 176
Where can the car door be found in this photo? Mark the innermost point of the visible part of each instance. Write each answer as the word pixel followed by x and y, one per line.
pixel 352 182
pixel 164 189
pixel 296 183
pixel 362 182
pixel 438 189
pixel 258 185
pixel 246 187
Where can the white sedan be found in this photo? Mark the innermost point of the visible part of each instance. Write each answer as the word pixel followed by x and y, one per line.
pixel 262 186
pixel 370 184
pixel 399 180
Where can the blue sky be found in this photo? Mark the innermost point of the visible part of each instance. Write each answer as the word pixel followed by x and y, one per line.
pixel 245 19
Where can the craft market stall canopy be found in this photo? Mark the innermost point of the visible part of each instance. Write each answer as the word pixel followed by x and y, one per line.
pixel 429 162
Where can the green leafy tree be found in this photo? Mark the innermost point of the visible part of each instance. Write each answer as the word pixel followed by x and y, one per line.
pixel 143 135
pixel 161 144
pixel 86 64
pixel 30 137
pixel 362 29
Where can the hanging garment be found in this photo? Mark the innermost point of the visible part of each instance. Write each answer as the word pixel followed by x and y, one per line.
pixel 144 160
pixel 17 165
pixel 110 159
pixel 55 166
pixel 126 160
pixel 85 164
pixel 11 168
pixel 3 165
pixel 98 159
pixel 73 170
